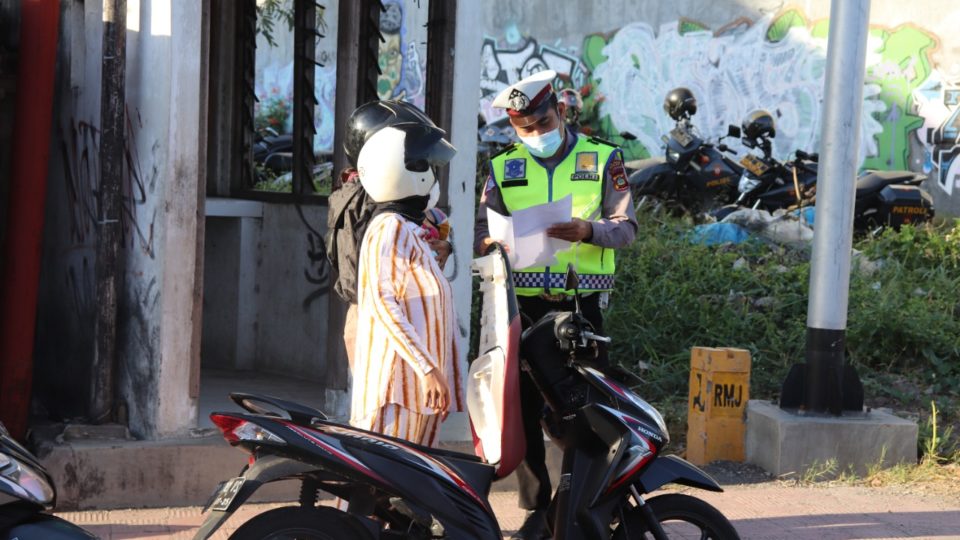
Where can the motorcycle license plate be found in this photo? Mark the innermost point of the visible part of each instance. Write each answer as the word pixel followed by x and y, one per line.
pixel 225 493
pixel 755 165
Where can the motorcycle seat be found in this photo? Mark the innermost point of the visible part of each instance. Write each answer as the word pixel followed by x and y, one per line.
pixel 874 181
pixel 638 164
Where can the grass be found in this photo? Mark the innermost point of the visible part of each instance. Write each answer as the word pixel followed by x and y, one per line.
pixel 903 331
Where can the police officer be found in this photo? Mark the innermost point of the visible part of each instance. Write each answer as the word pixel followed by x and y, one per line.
pixel 548 164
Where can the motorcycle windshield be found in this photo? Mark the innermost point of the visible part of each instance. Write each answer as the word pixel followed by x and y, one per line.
pixel 493 384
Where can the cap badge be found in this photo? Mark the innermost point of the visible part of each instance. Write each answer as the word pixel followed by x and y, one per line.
pixel 518 100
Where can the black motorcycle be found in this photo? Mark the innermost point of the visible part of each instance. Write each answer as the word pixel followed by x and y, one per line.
pixel 883 198
pixel 26 496
pixel 273 151
pixel 612 442
pixel 693 175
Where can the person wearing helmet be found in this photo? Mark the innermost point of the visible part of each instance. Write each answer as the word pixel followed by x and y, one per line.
pixel 552 162
pixel 573 108
pixel 364 122
pixel 406 373
pixel 680 104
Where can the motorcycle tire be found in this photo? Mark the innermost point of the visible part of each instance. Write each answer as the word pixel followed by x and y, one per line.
pixel 681 516
pixel 296 523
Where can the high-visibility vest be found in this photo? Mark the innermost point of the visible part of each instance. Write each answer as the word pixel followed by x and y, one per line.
pixel 524 182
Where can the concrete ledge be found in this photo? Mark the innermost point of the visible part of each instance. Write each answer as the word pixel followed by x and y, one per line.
pixel 782 442
pixel 104 474
pixel 238 208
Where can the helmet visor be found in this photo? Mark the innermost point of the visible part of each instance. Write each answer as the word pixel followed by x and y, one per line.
pixel 425 147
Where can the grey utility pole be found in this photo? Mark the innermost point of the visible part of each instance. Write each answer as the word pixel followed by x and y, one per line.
pixel 825 385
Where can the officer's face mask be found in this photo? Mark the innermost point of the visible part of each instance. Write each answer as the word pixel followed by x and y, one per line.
pixel 546 144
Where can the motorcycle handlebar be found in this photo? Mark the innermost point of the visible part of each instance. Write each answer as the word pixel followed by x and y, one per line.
pixel 590 335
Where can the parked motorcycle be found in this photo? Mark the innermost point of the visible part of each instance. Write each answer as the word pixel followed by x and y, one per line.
pixel 26 495
pixel 612 441
pixel 693 174
pixel 883 198
pixel 273 151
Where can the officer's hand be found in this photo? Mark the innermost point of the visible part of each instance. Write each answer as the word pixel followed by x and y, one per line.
pixel 575 230
pixel 443 249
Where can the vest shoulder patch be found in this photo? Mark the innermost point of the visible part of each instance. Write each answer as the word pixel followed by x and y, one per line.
pixel 506 151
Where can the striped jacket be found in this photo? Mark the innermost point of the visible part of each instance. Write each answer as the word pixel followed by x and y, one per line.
pixel 406 322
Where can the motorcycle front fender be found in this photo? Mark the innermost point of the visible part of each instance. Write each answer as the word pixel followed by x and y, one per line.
pixel 265 470
pixel 674 470
pixel 47 527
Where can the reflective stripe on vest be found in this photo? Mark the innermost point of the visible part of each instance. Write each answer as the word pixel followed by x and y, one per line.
pixel 524 182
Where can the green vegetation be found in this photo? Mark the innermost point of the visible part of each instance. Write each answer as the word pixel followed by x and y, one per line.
pixel 903 332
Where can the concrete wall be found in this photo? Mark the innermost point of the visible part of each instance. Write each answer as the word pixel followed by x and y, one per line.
pixel 165 98
pixel 738 56
pixel 266 292
pixel 292 293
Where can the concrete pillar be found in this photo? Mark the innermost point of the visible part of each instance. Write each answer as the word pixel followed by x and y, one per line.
pixel 461 190
pixel 182 215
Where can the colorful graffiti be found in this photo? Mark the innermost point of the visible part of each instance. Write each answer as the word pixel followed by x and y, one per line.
pixel 274 83
pixel 402 73
pixel 502 66
pixel 775 63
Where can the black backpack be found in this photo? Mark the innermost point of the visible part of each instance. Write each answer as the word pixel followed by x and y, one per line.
pixel 351 209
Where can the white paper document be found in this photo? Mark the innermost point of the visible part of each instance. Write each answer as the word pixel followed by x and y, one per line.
pixel 525 232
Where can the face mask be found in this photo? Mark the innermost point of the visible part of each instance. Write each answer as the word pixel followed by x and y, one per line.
pixel 544 146
pixel 434 195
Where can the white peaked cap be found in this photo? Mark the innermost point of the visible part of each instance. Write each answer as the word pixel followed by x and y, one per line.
pixel 524 96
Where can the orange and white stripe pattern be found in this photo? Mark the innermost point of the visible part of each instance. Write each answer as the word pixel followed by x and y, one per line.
pixel 400 422
pixel 406 323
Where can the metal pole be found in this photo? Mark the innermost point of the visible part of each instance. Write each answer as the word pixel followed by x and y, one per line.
pixel 112 125
pixel 833 236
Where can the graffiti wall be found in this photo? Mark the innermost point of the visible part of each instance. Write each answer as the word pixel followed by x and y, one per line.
pixel 775 61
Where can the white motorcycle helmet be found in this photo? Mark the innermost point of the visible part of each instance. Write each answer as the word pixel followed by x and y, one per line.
pixel 397 162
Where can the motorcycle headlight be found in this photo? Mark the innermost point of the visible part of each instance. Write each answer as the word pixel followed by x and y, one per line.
pixel 673 156
pixel 25 481
pixel 748 183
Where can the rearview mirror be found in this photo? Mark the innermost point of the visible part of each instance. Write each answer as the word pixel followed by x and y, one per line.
pixel 733 131
pixel 628 136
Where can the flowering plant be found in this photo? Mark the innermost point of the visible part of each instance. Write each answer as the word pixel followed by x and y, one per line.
pixel 273 113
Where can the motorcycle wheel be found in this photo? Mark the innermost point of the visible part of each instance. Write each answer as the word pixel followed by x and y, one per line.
pixel 296 523
pixel 681 516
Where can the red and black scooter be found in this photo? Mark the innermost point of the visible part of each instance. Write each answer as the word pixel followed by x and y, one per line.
pixel 611 440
